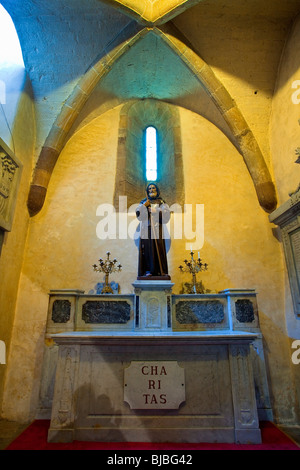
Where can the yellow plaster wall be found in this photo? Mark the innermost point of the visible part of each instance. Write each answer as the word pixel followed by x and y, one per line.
pixel 285 125
pixel 11 259
pixel 240 247
pixel 62 245
pixel 284 140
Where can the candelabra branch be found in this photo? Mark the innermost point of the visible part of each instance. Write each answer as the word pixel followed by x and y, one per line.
pixel 107 267
pixel 193 266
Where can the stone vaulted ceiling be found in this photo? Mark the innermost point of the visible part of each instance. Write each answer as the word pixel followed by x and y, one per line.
pixel 84 56
pixel 153 12
pixel 79 31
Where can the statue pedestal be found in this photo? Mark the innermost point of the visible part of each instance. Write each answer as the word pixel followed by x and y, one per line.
pixel 153 305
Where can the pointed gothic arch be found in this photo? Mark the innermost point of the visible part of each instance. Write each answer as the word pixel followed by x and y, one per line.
pixel 58 135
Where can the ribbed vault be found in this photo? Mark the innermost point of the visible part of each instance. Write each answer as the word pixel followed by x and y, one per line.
pixel 152 12
pixel 243 136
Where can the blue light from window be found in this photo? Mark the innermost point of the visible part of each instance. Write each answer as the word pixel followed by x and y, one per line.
pixel 10 49
pixel 151 153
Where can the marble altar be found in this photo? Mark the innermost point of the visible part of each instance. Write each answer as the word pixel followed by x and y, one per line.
pixel 220 404
pixel 92 341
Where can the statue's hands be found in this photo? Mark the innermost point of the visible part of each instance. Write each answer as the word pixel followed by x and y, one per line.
pixel 147 203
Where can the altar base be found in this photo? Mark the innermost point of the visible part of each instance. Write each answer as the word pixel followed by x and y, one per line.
pixel 219 397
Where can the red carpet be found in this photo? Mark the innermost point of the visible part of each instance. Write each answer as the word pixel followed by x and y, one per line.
pixel 35 438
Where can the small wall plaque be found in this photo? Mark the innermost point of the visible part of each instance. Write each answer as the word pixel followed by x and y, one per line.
pixel 154 385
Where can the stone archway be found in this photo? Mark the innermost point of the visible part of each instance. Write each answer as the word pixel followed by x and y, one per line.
pixel 58 135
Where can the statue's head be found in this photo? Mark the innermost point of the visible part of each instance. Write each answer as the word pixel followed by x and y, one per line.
pixel 152 191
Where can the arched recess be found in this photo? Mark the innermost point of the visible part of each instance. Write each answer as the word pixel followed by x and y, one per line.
pixel 130 173
pixel 246 141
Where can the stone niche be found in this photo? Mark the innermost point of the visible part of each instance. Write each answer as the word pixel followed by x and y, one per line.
pixel 131 168
pixel 287 217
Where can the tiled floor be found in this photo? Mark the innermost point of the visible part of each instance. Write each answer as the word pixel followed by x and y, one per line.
pixel 10 430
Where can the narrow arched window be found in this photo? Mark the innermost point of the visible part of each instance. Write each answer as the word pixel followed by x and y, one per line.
pixel 151 153
pixel 149 150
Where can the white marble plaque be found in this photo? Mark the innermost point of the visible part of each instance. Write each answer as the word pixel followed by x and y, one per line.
pixel 154 385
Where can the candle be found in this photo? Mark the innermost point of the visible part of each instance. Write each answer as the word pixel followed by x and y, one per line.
pixel 198 254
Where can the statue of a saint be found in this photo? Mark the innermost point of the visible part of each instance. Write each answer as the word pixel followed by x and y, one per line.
pixel 153 213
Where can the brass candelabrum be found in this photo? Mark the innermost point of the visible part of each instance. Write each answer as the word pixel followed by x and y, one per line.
pixel 107 267
pixel 193 267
